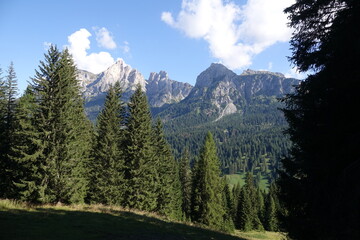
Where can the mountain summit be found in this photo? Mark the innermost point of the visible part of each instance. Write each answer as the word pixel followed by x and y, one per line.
pixel 219 91
pixel 159 88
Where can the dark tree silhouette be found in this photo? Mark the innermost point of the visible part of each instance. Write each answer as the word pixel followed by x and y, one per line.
pixel 319 187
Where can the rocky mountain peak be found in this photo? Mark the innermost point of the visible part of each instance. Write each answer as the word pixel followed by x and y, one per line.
pixel 161 90
pixel 161 76
pixel 253 72
pixel 216 72
pixel 128 77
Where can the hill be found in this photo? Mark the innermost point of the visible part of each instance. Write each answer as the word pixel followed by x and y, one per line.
pixel 19 221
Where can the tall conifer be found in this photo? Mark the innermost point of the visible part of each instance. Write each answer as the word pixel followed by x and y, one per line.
pixel 26 150
pixel 185 180
pixel 8 95
pixel 208 205
pixel 107 180
pixel 169 194
pixel 140 163
pixel 63 127
pixel 243 219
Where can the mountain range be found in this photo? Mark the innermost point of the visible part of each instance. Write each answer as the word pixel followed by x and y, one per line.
pixel 242 110
pixel 159 87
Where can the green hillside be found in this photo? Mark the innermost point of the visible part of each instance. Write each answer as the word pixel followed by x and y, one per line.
pixel 20 221
pixel 250 140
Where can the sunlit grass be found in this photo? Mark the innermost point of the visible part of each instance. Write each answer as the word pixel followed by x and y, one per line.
pixel 81 221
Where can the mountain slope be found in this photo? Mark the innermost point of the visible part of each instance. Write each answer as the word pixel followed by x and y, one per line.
pixel 161 90
pixel 242 113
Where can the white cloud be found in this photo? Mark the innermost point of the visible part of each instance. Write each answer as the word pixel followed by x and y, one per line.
pixel 79 43
pixel 104 38
pixel 295 73
pixel 235 34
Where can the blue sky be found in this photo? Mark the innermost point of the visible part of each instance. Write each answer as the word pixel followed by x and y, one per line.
pixel 182 37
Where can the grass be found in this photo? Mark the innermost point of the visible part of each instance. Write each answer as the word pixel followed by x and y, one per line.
pixel 233 179
pixel 253 235
pixel 21 221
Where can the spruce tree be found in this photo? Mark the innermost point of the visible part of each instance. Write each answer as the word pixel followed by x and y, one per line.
pixel 169 193
pixel 26 150
pixel 63 127
pixel 208 206
pixel 185 180
pixel 140 173
pixel 271 221
pixel 7 103
pixel 317 185
pixel 236 193
pixel 244 219
pixel 255 203
pixel 107 165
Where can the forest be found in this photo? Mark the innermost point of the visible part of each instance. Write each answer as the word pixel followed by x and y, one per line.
pixel 51 153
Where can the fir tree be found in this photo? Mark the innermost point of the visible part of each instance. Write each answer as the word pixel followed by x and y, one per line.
pixel 63 128
pixel 140 163
pixel 106 176
pixel 208 205
pixel 185 180
pixel 169 193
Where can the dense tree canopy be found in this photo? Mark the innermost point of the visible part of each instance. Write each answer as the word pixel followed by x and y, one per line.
pixel 317 186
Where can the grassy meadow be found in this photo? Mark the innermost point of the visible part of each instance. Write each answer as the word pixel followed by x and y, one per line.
pixel 21 221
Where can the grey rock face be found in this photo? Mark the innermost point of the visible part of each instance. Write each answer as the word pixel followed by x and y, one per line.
pixel 96 85
pixel 161 90
pixel 226 91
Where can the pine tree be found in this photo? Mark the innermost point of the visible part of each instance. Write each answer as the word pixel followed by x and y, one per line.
pixel 106 176
pixel 140 163
pixel 185 180
pixel 63 127
pixel 8 103
pixel 169 194
pixel 208 206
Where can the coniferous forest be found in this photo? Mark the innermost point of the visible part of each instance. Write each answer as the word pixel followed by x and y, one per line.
pixel 50 152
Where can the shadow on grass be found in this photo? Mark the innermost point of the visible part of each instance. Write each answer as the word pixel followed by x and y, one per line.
pixel 49 224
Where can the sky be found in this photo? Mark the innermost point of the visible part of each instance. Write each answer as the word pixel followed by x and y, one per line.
pixel 181 37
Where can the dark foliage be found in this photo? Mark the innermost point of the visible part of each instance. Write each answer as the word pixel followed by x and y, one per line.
pixel 319 186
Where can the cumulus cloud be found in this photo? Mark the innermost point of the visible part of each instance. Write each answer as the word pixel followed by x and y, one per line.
pixel 79 43
pixel 235 34
pixel 104 38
